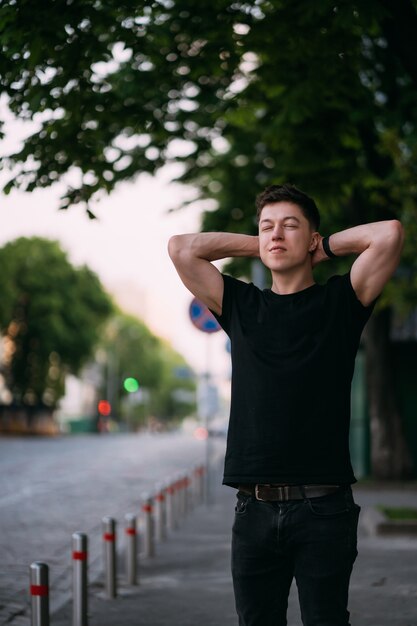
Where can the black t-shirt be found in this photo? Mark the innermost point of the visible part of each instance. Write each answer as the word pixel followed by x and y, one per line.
pixel 292 364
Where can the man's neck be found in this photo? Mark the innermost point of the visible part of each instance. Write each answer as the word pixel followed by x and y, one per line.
pixel 284 283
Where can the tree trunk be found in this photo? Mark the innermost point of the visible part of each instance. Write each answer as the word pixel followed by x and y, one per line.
pixel 390 454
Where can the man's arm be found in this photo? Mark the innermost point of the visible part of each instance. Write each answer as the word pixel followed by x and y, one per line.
pixel 379 247
pixel 192 256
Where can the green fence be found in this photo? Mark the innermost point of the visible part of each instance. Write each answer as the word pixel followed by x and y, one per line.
pixel 405 372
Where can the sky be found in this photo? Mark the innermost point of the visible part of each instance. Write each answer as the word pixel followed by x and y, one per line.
pixel 127 247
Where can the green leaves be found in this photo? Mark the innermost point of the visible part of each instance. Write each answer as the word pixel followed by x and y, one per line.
pixel 50 316
pixel 67 61
pixel 132 351
pixel 302 92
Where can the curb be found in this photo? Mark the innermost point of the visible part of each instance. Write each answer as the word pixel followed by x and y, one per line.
pixel 376 524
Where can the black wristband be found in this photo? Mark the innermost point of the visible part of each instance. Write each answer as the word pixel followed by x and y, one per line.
pixel 326 248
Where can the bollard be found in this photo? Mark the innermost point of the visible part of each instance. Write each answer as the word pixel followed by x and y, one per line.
pixel 170 506
pixel 178 499
pixel 192 496
pixel 190 492
pixel 175 502
pixel 160 513
pixel 79 579
pixel 201 483
pixel 195 487
pixel 183 495
pixel 109 545
pixel 149 543
pixel 131 548
pixel 198 485
pixel 39 591
pixel 187 495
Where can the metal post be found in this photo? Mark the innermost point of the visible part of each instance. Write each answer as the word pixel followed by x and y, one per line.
pixel 39 591
pixel 149 543
pixel 176 502
pixel 79 579
pixel 184 495
pixel 199 472
pixel 204 483
pixel 131 549
pixel 192 499
pixel 187 498
pixel 170 506
pixel 196 486
pixel 160 513
pixel 181 499
pixel 109 545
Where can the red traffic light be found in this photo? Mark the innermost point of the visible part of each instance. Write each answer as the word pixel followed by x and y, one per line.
pixel 104 408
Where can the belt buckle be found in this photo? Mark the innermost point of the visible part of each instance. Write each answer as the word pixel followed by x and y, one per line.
pixel 257 496
pixel 283 492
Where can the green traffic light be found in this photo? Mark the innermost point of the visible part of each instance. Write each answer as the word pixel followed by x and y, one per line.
pixel 131 384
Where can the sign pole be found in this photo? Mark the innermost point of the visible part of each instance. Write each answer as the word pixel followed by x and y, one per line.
pixel 205 321
pixel 207 419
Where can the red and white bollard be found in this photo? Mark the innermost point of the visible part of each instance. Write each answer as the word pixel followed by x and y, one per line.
pixel 192 497
pixel 160 513
pixel 109 553
pixel 149 537
pixel 131 548
pixel 79 579
pixel 184 484
pixel 187 495
pixel 196 486
pixel 177 502
pixel 170 507
pixel 202 482
pixel 39 591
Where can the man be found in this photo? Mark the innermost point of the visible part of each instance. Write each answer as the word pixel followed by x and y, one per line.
pixel 293 352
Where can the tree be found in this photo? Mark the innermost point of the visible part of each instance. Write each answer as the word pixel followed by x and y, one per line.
pixel 133 351
pixel 338 117
pixel 176 397
pixel 110 85
pixel 50 320
pixel 321 94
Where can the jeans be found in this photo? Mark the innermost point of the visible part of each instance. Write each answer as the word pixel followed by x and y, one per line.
pixel 312 540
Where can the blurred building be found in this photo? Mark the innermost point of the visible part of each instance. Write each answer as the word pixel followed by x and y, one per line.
pixel 77 411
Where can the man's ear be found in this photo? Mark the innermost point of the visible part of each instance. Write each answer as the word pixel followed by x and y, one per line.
pixel 315 238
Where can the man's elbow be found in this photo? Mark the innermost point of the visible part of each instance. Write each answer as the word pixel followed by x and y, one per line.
pixel 175 246
pixel 396 234
pixel 180 250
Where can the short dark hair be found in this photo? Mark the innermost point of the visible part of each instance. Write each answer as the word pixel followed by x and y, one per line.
pixel 289 193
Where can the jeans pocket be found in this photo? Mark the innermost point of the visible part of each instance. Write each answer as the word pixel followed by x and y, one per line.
pixel 242 503
pixel 332 505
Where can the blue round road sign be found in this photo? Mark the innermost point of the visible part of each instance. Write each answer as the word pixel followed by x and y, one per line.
pixel 202 318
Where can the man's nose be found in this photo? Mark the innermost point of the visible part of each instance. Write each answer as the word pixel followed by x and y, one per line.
pixel 278 232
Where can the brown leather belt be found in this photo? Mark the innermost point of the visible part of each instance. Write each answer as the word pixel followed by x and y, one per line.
pixel 282 493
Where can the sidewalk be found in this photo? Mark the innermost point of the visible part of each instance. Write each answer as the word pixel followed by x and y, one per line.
pixel 188 582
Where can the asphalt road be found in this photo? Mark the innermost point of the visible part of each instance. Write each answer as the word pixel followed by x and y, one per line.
pixel 53 487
